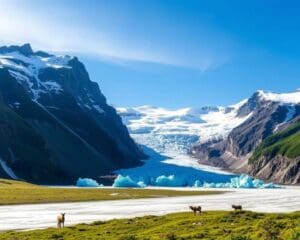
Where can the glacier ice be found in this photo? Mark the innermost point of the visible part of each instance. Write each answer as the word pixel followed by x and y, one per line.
pixel 126 181
pixel 165 125
pixel 158 171
pixel 169 181
pixel 87 182
pixel 242 181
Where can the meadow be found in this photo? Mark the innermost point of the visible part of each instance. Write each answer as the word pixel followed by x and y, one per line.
pixel 18 192
pixel 212 225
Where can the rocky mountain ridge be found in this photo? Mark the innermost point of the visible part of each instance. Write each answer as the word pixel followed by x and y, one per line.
pixel 271 113
pixel 55 124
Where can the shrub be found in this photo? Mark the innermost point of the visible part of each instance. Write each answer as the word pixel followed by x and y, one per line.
pixel 271 230
pixel 131 237
pixel 171 236
pixel 240 238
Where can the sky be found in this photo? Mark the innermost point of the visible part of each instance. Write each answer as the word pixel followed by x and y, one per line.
pixel 167 53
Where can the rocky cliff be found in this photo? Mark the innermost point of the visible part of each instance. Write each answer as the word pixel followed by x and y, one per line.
pixel 55 124
pixel 269 114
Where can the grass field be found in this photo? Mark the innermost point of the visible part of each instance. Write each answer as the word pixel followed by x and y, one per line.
pixel 284 143
pixel 17 192
pixel 209 225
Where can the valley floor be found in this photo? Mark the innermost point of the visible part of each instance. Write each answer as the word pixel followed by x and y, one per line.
pixel 213 225
pixel 32 216
pixel 18 192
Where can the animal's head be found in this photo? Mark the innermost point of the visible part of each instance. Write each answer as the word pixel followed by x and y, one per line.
pixel 63 214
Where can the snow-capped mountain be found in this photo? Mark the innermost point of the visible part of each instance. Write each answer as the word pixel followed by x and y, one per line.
pixel 223 137
pixel 55 123
pixel 271 115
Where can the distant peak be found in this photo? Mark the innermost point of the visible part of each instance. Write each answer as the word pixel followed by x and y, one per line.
pixel 259 93
pixel 24 49
pixel 284 98
pixel 257 96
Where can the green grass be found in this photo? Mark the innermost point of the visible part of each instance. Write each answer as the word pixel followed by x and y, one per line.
pixel 217 225
pixel 17 192
pixel 285 143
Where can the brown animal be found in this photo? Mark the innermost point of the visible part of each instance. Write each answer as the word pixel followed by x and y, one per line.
pixel 196 209
pixel 61 220
pixel 237 207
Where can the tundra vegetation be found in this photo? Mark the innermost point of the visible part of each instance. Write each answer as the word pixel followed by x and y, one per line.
pixel 285 143
pixel 212 225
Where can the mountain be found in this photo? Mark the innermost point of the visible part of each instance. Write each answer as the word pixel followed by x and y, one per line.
pixel 234 138
pixel 278 156
pixel 270 113
pixel 55 124
pixel 175 131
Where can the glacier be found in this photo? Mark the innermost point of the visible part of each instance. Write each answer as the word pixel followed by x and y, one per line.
pixel 166 136
pixel 201 124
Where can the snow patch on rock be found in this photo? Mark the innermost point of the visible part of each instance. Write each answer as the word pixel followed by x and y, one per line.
pixel 8 170
pixel 26 69
pixel 291 111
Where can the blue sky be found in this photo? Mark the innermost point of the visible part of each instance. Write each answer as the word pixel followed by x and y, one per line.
pixel 170 53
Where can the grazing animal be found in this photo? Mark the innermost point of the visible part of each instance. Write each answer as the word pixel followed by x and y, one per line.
pixel 237 207
pixel 196 209
pixel 61 220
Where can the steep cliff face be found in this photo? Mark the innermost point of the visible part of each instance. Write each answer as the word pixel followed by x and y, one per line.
pixel 55 122
pixel 268 115
pixel 278 156
pixel 278 169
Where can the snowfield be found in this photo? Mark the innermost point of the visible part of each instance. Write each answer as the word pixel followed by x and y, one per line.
pixel 167 130
pixel 283 98
pixel 34 216
pixel 182 126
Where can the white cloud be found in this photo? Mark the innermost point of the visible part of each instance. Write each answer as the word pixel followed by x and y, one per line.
pixel 18 26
